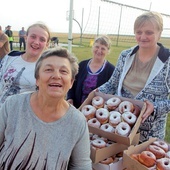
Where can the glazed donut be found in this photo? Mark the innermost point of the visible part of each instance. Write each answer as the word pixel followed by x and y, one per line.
pixel 102 115
pixel 147 158
pixel 114 118
pixel 135 156
pixel 126 106
pixel 113 103
pixel 88 111
pixel 94 123
pixel 98 143
pixel 163 164
pixel 107 128
pixel 123 129
pixel 162 144
pixel 129 118
pixel 98 102
pixel 157 151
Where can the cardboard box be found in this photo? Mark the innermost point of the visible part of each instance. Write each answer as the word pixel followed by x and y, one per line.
pixel 101 154
pixel 132 164
pixel 113 166
pixel 112 136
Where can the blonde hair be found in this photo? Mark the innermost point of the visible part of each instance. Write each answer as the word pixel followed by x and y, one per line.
pixel 153 17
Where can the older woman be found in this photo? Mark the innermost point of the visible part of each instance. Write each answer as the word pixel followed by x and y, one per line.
pixel 93 72
pixel 143 73
pixel 41 130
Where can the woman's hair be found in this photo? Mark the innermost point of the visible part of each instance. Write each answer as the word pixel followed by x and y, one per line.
pixel 58 52
pixel 104 40
pixel 153 17
pixel 41 25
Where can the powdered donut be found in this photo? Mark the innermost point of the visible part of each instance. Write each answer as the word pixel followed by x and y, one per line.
pixel 95 136
pixel 107 128
pixel 98 102
pixel 113 103
pixel 123 129
pixel 163 164
pixel 114 118
pixel 98 143
pixel 102 115
pixel 167 154
pixel 94 123
pixel 126 106
pixel 88 111
pixel 129 118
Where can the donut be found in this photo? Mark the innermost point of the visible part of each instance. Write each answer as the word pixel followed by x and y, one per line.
pixel 167 155
pixel 98 143
pixel 94 123
pixel 109 142
pixel 135 156
pixel 157 151
pixel 98 102
pixel 163 164
pixel 162 144
pixel 129 118
pixel 123 129
pixel 95 136
pixel 136 111
pixel 114 118
pixel 113 103
pixel 88 111
pixel 126 106
pixel 109 160
pixel 147 158
pixel 102 115
pixel 107 128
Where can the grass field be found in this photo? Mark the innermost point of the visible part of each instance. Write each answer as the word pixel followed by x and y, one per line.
pixel 84 52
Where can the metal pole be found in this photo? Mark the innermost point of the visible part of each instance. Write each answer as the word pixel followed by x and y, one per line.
pixel 70 39
pixel 98 22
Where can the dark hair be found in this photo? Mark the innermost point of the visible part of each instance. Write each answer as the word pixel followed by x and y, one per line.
pixel 58 52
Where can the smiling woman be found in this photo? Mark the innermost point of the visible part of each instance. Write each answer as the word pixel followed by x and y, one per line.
pixel 36 134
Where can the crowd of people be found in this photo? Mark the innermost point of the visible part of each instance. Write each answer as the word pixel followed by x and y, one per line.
pixel 41 90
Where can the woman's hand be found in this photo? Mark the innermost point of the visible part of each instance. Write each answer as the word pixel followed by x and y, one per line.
pixel 149 110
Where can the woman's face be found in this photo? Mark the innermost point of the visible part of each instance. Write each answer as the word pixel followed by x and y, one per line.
pixel 99 51
pixel 36 41
pixel 55 77
pixel 147 35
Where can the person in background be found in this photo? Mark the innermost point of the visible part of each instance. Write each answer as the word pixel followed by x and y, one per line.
pixel 143 73
pixel 17 68
pixel 22 35
pixel 45 131
pixel 9 33
pixel 4 44
pixel 93 72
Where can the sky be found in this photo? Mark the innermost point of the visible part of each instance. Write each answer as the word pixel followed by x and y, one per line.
pixel 20 13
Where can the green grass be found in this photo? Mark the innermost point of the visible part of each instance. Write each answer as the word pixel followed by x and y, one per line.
pixel 84 52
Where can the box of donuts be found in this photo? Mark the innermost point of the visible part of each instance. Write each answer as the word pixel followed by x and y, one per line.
pixel 113 117
pixel 102 148
pixel 153 154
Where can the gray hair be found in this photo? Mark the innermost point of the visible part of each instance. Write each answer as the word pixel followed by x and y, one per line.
pixel 58 52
